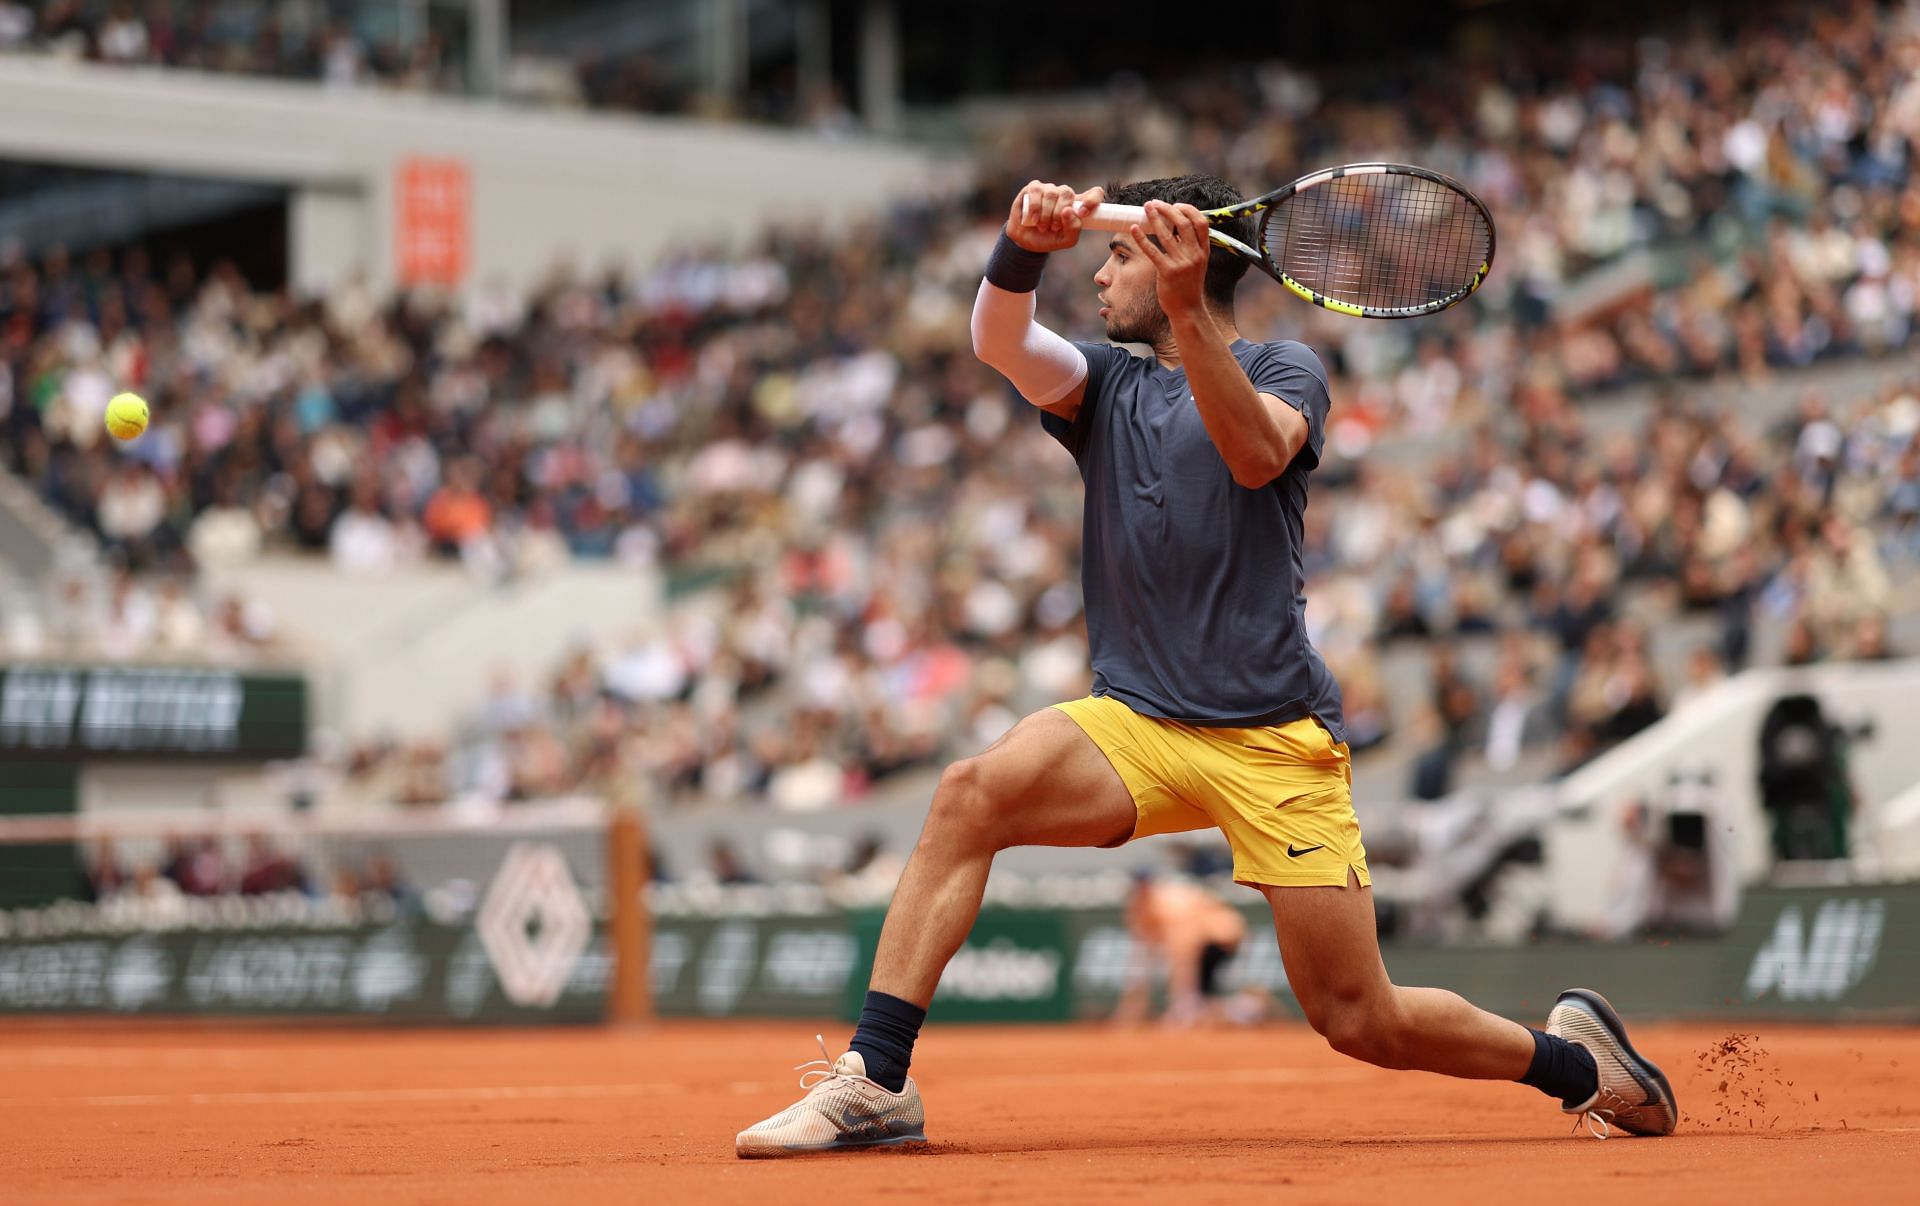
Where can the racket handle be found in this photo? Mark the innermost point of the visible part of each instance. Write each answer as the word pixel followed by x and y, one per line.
pixel 1113 217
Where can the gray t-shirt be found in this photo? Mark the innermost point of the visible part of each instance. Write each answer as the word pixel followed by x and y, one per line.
pixel 1194 585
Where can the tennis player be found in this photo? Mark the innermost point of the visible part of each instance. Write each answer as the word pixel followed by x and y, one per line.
pixel 1209 707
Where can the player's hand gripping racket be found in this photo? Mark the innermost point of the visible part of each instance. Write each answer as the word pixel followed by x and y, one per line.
pixel 1375 240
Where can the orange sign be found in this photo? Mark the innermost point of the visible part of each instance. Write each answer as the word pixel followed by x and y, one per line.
pixel 436 228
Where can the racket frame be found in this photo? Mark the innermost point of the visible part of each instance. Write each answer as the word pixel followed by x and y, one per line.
pixel 1121 217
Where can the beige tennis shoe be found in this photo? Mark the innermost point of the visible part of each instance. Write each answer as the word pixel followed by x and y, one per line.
pixel 1633 1094
pixel 842 1109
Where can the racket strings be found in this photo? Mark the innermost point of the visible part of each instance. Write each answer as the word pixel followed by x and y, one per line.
pixel 1384 241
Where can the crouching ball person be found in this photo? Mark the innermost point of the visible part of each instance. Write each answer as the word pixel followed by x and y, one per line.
pixel 1194 934
pixel 1209 707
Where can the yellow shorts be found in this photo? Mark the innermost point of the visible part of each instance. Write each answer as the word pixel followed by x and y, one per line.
pixel 1282 794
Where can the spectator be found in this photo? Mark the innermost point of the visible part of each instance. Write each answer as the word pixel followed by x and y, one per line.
pixel 225 534
pixel 195 866
pixel 1515 719
pixel 1704 672
pixel 458 515
pixel 106 877
pixel 1846 582
pixel 1444 727
pixel 180 625
pixel 122 37
pixel 382 879
pixel 363 540
pixel 267 870
pixel 132 509
pixel 1870 641
pixel 131 620
pixel 723 863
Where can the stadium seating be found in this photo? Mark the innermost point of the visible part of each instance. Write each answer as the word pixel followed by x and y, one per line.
pixel 802 428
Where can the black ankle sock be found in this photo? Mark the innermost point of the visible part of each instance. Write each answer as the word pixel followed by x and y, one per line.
pixel 1561 1069
pixel 885 1037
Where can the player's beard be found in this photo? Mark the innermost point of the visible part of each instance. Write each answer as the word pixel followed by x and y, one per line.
pixel 1143 322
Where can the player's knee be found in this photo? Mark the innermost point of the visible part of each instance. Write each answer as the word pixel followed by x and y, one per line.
pixel 1364 1031
pixel 963 809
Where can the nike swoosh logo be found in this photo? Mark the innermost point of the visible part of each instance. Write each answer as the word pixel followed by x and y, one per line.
pixel 870 1124
pixel 1292 853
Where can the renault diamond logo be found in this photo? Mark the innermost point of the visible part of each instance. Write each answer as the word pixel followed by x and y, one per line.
pixel 534 924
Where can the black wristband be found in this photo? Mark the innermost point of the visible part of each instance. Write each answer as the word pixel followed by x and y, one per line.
pixel 1014 268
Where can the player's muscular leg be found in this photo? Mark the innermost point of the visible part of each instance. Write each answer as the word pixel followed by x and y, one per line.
pixel 1043 784
pixel 1332 955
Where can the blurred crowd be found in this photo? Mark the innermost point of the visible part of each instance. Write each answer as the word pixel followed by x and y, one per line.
pixel 893 538
pixel 1568 553
pixel 120 616
pixel 182 867
pixel 1748 189
pixel 391 47
pixel 1557 553
pixel 293 39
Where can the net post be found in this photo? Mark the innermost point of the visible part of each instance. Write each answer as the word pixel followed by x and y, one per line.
pixel 630 1000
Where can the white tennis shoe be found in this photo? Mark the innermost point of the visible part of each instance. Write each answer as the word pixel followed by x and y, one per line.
pixel 842 1108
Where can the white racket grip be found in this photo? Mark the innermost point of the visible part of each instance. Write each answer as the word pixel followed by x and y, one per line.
pixel 1113 217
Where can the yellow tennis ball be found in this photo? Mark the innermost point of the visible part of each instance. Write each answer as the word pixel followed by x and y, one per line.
pixel 126 416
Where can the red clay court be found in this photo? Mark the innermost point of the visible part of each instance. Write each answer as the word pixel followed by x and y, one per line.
pixel 205 1113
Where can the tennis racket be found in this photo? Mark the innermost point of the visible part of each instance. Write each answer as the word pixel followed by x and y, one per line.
pixel 1375 240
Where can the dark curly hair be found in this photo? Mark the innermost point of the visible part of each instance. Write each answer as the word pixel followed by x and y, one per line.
pixel 1202 192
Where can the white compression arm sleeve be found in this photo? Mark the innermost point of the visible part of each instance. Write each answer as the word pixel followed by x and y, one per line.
pixel 1041 365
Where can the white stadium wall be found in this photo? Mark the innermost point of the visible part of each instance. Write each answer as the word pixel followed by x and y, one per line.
pixel 512 191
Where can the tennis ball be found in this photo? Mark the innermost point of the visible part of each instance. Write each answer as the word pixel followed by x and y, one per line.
pixel 126 416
